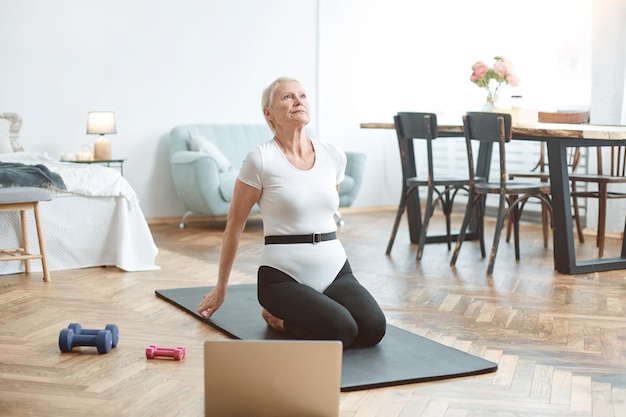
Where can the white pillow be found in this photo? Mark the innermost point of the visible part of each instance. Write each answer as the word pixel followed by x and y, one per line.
pixel 5 136
pixel 11 133
pixel 203 145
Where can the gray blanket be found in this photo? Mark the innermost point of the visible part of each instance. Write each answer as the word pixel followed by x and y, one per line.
pixel 15 174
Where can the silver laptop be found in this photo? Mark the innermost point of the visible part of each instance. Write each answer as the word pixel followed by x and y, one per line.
pixel 272 378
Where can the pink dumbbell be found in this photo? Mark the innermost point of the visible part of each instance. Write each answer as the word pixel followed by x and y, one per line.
pixel 154 351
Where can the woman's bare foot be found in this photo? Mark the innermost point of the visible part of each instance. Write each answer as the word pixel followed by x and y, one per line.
pixel 272 321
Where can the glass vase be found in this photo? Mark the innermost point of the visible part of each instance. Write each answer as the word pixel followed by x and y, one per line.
pixel 490 104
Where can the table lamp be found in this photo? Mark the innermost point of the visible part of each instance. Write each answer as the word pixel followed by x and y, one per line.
pixel 101 123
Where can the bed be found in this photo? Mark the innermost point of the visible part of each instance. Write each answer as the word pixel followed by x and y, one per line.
pixel 96 221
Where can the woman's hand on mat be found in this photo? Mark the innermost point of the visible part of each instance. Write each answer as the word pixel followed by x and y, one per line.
pixel 211 302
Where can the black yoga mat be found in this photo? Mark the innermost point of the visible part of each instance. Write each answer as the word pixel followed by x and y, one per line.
pixel 400 358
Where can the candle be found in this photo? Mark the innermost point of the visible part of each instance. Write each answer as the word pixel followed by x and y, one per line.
pixel 84 156
pixel 68 156
pixel 102 149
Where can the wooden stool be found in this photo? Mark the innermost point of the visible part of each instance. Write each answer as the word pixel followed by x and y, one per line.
pixel 22 199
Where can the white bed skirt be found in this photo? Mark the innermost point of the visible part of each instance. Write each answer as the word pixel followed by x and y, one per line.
pixel 82 232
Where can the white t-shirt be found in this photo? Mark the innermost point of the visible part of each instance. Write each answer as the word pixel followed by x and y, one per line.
pixel 296 202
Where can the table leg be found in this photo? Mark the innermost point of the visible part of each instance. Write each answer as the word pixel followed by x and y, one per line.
pixel 413 204
pixel 623 252
pixel 414 214
pixel 564 250
pixel 563 231
pixel 483 165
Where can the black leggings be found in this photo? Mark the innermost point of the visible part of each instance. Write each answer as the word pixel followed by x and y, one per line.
pixel 345 311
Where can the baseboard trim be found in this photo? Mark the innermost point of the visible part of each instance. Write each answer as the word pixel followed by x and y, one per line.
pixel 531 217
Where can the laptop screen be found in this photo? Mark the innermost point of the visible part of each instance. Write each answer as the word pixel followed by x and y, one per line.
pixel 272 378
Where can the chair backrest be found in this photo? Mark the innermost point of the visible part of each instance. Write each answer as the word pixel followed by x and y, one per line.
pixel 417 125
pixel 563 116
pixel 411 126
pixel 487 127
pixel 617 167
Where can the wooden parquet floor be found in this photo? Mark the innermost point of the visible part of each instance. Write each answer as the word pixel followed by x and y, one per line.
pixel 560 341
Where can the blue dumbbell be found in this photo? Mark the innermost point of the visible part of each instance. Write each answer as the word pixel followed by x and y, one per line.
pixel 115 332
pixel 103 340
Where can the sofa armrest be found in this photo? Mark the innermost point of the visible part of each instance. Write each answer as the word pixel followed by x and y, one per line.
pixel 187 157
pixel 355 166
pixel 196 179
pixel 355 169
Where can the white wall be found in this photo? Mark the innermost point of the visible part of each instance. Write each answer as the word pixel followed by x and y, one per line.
pixel 157 63
pixel 608 102
pixel 381 57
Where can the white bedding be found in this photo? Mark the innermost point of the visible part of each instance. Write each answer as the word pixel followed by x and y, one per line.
pixel 97 222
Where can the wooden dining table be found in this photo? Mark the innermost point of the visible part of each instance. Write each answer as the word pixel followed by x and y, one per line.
pixel 558 137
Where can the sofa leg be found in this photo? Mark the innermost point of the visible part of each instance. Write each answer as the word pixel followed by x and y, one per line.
pixel 182 223
pixel 339 219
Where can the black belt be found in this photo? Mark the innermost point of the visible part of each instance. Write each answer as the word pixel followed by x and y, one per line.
pixel 313 238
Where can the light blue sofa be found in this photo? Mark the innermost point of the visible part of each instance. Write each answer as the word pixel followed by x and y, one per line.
pixel 206 191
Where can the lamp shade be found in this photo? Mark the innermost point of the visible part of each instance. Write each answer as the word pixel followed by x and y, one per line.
pixel 100 122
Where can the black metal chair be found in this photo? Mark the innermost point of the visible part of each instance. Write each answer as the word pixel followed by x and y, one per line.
pixel 513 195
pixel 410 126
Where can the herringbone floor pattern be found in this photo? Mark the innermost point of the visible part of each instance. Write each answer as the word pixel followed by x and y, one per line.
pixel 559 340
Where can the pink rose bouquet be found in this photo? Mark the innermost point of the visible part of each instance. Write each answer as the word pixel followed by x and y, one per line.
pixel 494 78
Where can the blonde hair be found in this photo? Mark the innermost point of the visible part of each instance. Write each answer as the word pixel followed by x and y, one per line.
pixel 268 96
